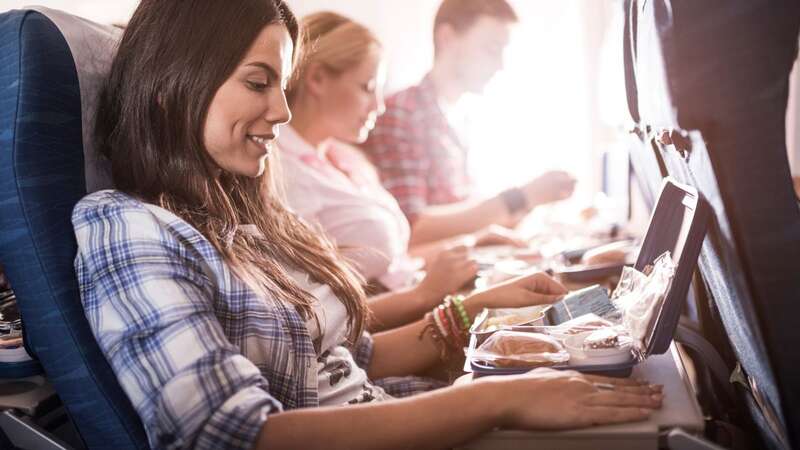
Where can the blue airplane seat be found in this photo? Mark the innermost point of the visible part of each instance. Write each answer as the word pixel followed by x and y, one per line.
pixel 45 168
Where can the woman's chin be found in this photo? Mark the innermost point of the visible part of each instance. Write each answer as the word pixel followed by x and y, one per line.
pixel 260 168
pixel 353 137
pixel 253 170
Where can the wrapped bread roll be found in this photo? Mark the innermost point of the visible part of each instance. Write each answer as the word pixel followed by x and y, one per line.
pixel 520 344
pixel 520 349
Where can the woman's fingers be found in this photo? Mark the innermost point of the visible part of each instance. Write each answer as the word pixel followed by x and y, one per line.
pixel 535 298
pixel 545 284
pixel 615 381
pixel 638 389
pixel 605 415
pixel 627 399
pixel 517 298
pixel 469 268
pixel 627 384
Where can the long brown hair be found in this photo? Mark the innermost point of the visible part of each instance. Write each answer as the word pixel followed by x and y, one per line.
pixel 173 57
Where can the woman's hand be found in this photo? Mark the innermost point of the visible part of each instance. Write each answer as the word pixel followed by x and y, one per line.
pixel 451 270
pixel 547 399
pixel 527 290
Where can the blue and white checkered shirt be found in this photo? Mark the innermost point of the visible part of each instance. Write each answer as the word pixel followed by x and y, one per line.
pixel 203 358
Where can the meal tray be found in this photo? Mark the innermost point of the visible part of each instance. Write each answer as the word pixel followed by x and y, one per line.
pixel 678 225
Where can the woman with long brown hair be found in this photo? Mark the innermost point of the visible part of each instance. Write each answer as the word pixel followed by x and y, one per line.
pixel 228 322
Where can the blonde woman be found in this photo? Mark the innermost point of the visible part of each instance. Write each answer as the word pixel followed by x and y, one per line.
pixel 228 322
pixel 335 97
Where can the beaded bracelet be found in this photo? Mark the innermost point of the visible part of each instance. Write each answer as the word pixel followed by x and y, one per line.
pixel 457 321
pixel 447 323
pixel 458 302
pixel 452 316
pixel 437 318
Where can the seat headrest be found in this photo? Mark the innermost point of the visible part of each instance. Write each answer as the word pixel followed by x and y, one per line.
pixel 93 47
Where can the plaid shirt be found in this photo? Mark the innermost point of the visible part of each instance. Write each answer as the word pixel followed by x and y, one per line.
pixel 203 359
pixel 418 154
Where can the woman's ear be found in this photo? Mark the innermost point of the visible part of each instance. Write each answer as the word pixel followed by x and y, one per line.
pixel 315 79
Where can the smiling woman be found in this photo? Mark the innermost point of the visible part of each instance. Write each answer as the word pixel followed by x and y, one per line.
pixel 245 113
pixel 180 120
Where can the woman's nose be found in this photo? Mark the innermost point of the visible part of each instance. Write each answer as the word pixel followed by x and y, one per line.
pixel 278 110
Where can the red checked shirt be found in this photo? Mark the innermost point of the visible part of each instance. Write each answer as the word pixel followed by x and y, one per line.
pixel 418 154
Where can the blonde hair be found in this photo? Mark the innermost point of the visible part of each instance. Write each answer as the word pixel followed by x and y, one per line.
pixel 333 41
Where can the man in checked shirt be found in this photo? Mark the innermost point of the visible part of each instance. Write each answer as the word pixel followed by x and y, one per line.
pixel 419 156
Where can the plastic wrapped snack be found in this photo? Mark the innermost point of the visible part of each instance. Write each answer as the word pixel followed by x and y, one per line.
pixel 640 298
pixel 604 346
pixel 600 339
pixel 507 348
pixel 586 322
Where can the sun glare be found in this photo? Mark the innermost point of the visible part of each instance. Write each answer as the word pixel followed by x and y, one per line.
pixel 535 114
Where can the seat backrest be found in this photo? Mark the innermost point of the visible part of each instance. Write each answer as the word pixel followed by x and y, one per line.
pixel 717 73
pixel 44 130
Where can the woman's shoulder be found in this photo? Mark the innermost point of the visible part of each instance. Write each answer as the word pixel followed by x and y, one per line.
pixel 110 197
pixel 105 203
pixel 121 216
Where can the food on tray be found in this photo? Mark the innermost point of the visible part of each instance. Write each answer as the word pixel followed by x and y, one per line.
pixel 602 338
pixel 585 327
pixel 586 322
pixel 578 325
pixel 503 320
pixel 521 349
pixel 640 297
pixel 525 343
pixel 502 317
pixel 606 346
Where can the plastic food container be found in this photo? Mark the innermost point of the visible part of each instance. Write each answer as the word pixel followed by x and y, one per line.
pixel 491 320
